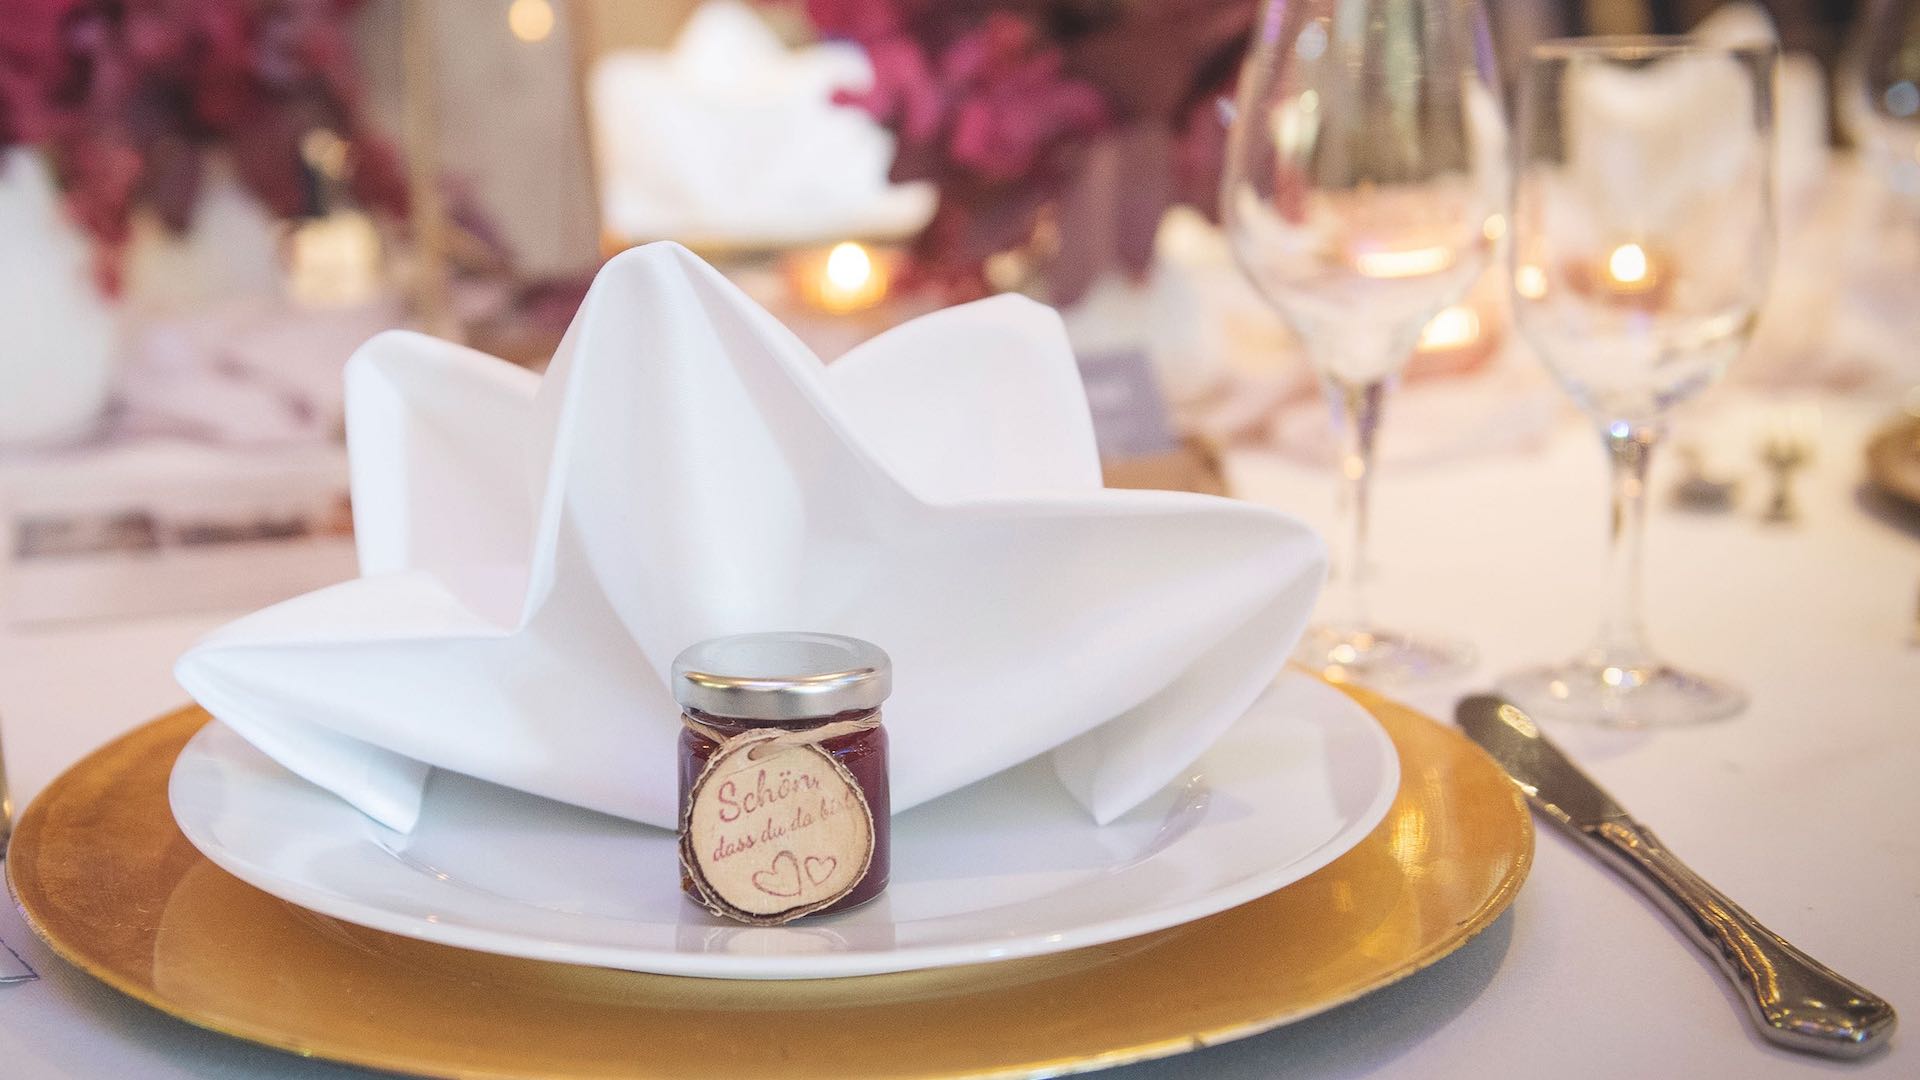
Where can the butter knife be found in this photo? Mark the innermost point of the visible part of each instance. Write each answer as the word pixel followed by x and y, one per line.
pixel 12 968
pixel 1794 1000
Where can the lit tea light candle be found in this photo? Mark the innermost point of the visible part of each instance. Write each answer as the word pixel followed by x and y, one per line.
pixel 849 278
pixel 1633 276
pixel 334 261
pixel 1529 281
pixel 1465 335
pixel 1629 267
pixel 1628 275
pixel 530 20
pixel 1457 340
pixel 1404 262
pixel 1456 326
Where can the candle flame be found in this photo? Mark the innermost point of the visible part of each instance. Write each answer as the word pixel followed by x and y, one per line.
pixel 1453 327
pixel 848 278
pixel 849 268
pixel 530 20
pixel 1529 281
pixel 1628 264
pixel 1412 262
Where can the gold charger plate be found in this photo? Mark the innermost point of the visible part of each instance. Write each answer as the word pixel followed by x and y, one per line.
pixel 102 873
pixel 1893 461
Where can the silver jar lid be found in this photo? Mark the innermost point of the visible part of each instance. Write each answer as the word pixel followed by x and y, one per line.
pixel 781 676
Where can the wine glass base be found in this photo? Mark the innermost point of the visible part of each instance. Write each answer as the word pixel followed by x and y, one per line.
pixel 1376 657
pixel 1644 694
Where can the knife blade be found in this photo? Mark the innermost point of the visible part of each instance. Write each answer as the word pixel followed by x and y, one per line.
pixel 12 968
pixel 1795 1001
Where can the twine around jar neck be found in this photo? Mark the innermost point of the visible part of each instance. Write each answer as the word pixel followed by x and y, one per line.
pixel 772 738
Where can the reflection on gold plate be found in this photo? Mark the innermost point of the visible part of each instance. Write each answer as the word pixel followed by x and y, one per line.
pixel 104 876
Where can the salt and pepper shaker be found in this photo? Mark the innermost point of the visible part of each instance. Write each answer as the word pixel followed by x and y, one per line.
pixel 1699 490
pixel 1787 447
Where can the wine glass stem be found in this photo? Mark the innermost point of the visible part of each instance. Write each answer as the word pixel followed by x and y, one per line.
pixel 1357 409
pixel 1629 453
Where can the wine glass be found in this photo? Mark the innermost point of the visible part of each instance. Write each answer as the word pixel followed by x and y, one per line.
pixel 1879 105
pixel 1887 117
pixel 1364 192
pixel 1642 249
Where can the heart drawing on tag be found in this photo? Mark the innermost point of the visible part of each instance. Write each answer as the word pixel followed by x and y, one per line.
pixel 820 869
pixel 782 878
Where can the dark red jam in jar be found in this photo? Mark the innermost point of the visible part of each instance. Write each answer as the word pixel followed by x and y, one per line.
pixel 757 831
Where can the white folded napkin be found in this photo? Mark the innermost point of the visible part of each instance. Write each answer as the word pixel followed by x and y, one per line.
pixel 1625 129
pixel 535 552
pixel 731 138
pixel 1800 130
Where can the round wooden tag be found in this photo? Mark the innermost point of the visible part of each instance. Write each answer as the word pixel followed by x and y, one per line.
pixel 774 830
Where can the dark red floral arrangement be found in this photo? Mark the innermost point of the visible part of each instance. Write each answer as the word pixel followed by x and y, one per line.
pixel 997 102
pixel 127 99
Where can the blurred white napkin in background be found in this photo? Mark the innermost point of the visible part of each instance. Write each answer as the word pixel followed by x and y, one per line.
pixel 1626 126
pixel 1800 101
pixel 1624 122
pixel 535 552
pixel 1841 314
pixel 731 138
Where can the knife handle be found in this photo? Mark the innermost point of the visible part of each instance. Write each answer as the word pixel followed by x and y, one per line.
pixel 1795 1000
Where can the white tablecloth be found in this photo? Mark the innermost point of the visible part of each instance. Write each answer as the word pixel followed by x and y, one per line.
pixel 1804 809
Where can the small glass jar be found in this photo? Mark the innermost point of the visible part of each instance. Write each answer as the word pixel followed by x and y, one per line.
pixel 794 682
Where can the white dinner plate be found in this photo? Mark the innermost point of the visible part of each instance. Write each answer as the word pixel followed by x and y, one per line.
pixel 1009 867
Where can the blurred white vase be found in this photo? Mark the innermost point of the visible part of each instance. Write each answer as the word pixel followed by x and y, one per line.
pixel 58 334
pixel 230 252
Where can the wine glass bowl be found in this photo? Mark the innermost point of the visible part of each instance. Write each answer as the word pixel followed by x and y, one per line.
pixel 1361 272
pixel 1643 217
pixel 1642 246
pixel 1364 192
pixel 1886 121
